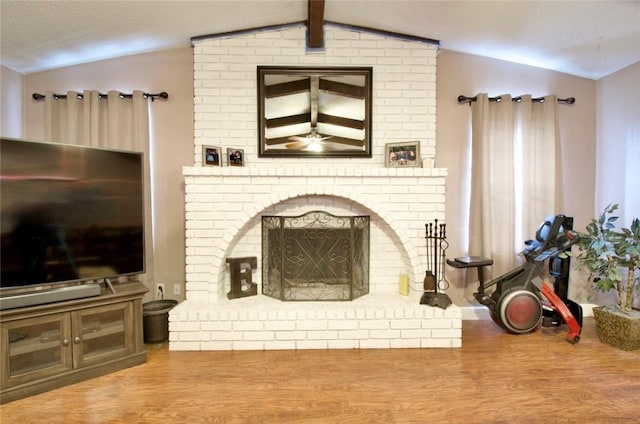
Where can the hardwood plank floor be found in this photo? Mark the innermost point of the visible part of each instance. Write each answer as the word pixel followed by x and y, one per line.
pixel 494 378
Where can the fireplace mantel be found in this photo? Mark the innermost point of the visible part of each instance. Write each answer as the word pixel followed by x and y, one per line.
pixel 312 170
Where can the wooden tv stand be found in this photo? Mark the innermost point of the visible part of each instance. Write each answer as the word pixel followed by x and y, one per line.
pixel 53 345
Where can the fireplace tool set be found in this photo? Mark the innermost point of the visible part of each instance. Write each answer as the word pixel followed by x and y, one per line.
pixel 435 280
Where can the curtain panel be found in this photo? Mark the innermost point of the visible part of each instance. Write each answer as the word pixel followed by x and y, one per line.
pixel 515 182
pixel 110 123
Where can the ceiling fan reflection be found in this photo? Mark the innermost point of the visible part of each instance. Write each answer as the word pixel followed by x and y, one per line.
pixel 312 141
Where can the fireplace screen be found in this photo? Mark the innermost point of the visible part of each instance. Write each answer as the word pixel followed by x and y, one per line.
pixel 315 256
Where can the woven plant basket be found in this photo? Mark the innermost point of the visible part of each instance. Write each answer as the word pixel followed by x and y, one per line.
pixel 617 330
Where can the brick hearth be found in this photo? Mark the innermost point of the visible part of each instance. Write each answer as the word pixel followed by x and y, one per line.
pixel 375 321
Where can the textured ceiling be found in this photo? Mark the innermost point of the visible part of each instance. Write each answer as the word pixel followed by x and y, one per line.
pixel 585 38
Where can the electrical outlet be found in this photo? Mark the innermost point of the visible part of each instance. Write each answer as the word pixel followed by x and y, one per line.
pixel 159 290
pixel 176 289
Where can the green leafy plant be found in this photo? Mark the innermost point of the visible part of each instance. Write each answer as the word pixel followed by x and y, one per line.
pixel 607 252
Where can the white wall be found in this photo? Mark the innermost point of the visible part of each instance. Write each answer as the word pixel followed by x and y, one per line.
pixel 618 143
pixel 11 101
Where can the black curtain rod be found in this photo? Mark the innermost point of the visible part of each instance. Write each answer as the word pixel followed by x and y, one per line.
pixel 161 95
pixel 465 99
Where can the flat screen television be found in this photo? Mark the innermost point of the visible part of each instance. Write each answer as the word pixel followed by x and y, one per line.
pixel 69 214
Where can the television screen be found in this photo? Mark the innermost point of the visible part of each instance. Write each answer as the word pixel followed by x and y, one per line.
pixel 69 213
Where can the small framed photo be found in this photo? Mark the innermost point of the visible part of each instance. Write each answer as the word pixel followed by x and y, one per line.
pixel 211 156
pixel 402 154
pixel 235 157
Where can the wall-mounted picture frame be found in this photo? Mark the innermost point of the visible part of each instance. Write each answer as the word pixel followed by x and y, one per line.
pixel 402 154
pixel 211 156
pixel 235 157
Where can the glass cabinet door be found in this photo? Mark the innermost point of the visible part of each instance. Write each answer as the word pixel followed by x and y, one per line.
pixel 100 334
pixel 35 348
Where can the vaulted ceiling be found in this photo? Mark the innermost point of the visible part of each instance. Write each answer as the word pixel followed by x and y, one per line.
pixel 585 38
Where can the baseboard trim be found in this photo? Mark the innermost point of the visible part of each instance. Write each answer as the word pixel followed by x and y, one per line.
pixel 477 312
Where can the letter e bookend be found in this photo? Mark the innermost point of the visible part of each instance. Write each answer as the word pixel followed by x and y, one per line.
pixel 241 283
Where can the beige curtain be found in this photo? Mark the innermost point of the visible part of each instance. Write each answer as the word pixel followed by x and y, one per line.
pixel 111 123
pixel 515 180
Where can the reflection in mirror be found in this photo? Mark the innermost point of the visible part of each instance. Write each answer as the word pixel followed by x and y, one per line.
pixel 314 111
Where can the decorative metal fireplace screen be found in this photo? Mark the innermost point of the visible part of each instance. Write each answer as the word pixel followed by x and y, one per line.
pixel 315 256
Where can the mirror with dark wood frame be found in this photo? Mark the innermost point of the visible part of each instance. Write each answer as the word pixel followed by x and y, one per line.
pixel 314 112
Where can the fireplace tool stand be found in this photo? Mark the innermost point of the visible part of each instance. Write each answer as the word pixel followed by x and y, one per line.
pixel 435 281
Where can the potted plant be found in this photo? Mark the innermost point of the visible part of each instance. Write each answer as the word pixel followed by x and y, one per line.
pixel 612 256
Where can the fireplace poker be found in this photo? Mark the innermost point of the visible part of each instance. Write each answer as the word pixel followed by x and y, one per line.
pixel 436 244
pixel 444 245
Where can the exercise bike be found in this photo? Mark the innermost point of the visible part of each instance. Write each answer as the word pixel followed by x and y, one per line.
pixel 521 299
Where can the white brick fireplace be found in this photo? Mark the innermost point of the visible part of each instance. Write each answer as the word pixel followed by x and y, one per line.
pixel 224 205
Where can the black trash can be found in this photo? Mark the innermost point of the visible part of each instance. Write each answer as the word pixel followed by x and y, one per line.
pixel 155 320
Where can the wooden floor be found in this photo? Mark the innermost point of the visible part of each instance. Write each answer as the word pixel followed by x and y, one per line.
pixel 494 378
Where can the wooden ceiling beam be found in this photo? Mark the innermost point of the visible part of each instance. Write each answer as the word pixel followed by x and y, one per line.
pixel 300 86
pixel 340 121
pixel 315 23
pixel 304 118
pixel 287 88
pixel 285 121
pixel 342 89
